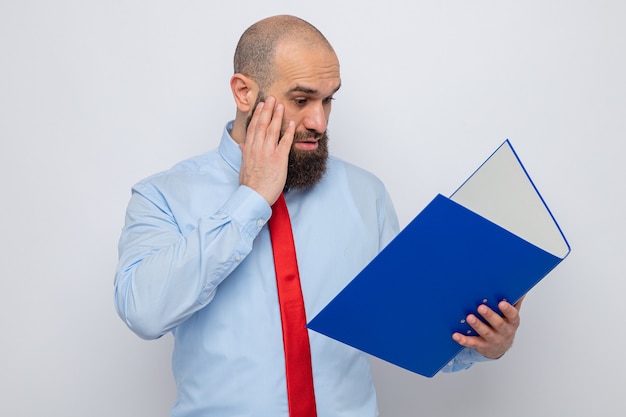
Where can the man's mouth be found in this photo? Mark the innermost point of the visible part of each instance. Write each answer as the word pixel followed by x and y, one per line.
pixel 306 145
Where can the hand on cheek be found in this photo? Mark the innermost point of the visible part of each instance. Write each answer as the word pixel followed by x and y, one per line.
pixel 265 153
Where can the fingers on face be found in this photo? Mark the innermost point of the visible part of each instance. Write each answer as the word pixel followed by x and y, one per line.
pixel 252 127
pixel 275 124
pixel 266 126
pixel 266 122
pixel 287 138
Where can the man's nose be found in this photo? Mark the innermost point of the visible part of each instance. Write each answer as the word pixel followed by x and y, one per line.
pixel 315 119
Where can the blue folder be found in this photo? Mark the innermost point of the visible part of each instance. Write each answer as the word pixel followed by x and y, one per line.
pixel 404 306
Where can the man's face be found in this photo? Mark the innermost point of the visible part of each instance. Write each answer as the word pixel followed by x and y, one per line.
pixel 306 80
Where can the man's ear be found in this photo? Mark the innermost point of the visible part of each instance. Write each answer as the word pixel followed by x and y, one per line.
pixel 245 91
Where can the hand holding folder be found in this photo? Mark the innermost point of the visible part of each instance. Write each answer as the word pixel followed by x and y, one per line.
pixel 495 331
pixel 492 240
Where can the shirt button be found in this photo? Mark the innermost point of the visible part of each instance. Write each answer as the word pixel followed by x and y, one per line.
pixel 260 222
pixel 238 257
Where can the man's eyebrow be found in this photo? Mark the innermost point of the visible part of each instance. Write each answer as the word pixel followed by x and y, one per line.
pixel 307 90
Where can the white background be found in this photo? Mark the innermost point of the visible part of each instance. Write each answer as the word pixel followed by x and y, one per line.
pixel 97 95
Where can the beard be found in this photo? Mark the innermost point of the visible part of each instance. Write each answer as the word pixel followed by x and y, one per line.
pixel 305 168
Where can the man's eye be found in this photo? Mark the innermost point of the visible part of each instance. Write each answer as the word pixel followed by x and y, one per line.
pixel 300 101
pixel 328 99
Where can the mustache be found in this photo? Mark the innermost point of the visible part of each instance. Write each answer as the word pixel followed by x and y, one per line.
pixel 307 136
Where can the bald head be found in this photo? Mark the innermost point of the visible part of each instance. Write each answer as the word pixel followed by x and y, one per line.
pixel 256 50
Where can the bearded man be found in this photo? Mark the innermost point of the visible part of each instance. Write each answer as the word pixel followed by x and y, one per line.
pixel 197 256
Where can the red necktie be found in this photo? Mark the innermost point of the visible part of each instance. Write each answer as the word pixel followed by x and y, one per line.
pixel 295 337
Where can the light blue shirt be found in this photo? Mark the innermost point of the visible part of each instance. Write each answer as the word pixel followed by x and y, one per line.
pixel 196 260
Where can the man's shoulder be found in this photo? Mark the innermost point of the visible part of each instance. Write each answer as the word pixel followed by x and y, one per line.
pixel 354 172
pixel 185 169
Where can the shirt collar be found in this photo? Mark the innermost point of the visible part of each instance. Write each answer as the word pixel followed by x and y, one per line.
pixel 229 149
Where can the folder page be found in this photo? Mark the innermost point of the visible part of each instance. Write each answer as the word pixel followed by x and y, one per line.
pixel 405 304
pixel 502 192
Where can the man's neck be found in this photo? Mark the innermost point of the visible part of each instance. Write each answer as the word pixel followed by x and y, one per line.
pixel 238 133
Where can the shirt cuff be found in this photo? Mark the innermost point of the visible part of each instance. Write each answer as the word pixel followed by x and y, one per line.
pixel 464 360
pixel 248 209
